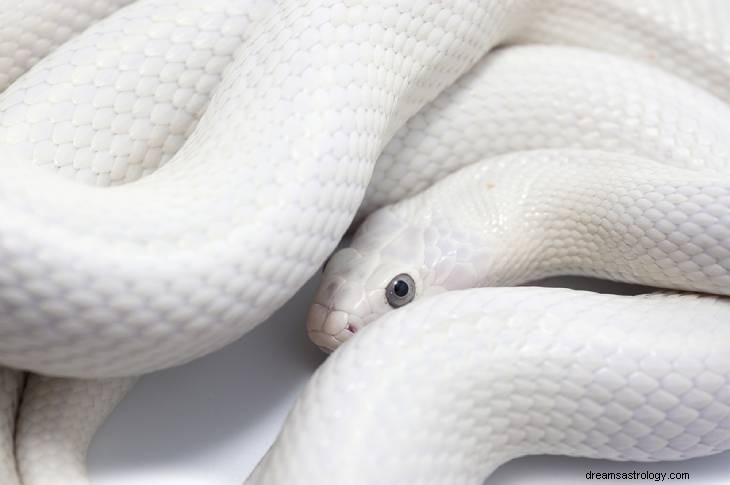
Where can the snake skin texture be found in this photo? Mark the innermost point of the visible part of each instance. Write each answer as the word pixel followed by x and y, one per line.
pixel 174 173
pixel 511 372
pixel 674 35
pixel 31 29
pixel 56 422
pixel 532 97
pixel 128 92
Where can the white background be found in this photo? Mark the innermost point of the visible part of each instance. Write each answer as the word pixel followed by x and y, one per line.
pixel 209 422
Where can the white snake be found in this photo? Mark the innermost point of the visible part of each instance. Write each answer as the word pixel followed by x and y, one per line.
pixel 237 199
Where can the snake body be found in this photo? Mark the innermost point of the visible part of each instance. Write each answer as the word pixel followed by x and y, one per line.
pixel 536 97
pixel 174 173
pixel 511 372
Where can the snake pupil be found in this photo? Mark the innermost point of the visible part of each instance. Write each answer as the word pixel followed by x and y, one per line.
pixel 400 288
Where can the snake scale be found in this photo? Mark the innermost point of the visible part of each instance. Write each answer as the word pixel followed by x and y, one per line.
pixel 174 171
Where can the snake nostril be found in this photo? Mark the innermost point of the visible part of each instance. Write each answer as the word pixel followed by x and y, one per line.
pixel 352 328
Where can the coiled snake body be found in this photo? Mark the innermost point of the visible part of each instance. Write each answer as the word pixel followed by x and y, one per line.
pixel 174 173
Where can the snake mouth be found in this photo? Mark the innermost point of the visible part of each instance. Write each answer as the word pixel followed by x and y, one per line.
pixel 328 328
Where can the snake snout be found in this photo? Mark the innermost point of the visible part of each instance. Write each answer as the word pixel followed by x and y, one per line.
pixel 329 328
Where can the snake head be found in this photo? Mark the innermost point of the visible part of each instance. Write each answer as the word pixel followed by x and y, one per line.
pixel 391 261
pixel 352 292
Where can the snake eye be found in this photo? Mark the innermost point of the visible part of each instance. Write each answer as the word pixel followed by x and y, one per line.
pixel 400 291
